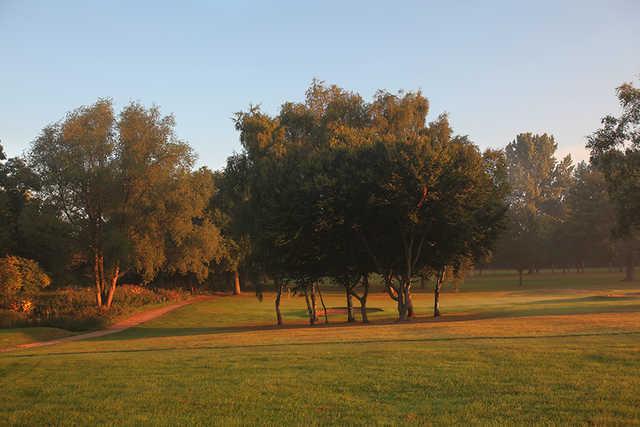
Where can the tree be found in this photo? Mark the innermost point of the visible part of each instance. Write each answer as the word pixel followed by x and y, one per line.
pixel 31 227
pixel 334 124
pixel 300 231
pixel 587 233
pixel 432 197
pixel 230 210
pixel 472 190
pixel 538 185
pixel 17 185
pixel 615 150
pixel 126 187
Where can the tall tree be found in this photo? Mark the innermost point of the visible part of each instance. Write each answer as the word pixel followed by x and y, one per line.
pixel 615 150
pixel 231 212
pixel 31 228
pixel 127 188
pixel 299 231
pixel 587 233
pixel 538 184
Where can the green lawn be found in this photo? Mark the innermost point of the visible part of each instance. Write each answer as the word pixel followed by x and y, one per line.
pixel 564 349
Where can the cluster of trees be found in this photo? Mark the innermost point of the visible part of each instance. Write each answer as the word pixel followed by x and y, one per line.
pixel 615 150
pixel 333 187
pixel 118 194
pixel 336 187
pixel 559 213
pixel 563 215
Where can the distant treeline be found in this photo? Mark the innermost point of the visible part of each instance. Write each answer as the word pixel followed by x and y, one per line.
pixel 333 187
pixel 560 214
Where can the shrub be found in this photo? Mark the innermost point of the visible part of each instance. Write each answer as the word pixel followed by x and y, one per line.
pixel 20 279
pixel 75 308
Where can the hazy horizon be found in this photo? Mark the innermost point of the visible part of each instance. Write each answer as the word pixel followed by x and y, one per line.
pixel 497 69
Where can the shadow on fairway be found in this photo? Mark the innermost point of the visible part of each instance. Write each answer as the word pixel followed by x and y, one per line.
pixel 325 343
pixel 152 332
pixel 593 298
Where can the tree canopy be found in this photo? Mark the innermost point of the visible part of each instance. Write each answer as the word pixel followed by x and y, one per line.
pixel 615 150
pixel 127 188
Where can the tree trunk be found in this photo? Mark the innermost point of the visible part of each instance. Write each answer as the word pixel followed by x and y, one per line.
pixel 96 273
pixel 309 309
pixel 324 307
pixel 350 317
pixel 402 301
pixel 409 302
pixel 236 283
pixel 436 293
pixel 629 264
pixel 278 295
pixel 112 288
pixel 363 300
pixel 103 281
pixel 520 277
pixel 314 305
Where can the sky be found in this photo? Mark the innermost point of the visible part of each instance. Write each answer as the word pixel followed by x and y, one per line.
pixel 497 68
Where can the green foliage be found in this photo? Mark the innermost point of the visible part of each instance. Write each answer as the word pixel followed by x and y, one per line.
pixel 30 228
pixel 20 278
pixel 230 210
pixel 74 309
pixel 538 183
pixel 342 188
pixel 615 150
pixel 126 187
pixel 587 232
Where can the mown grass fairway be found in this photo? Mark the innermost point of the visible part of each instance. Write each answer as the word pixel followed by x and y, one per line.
pixel 562 349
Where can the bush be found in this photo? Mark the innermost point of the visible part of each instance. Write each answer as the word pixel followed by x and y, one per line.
pixel 75 309
pixel 20 279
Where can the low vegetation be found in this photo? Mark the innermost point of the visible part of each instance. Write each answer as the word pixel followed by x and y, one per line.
pixel 74 309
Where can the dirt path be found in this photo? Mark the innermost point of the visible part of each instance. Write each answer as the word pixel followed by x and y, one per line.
pixel 130 322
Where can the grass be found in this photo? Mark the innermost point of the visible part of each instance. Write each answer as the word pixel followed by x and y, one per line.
pixel 564 349
pixel 16 336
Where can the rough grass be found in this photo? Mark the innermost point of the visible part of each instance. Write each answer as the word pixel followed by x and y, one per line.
pixel 16 336
pixel 553 352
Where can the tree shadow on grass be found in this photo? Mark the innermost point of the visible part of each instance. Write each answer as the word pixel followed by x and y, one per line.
pixel 142 332
pixel 325 343
pixel 592 298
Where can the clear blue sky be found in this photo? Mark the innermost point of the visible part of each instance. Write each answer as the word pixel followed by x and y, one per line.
pixel 498 68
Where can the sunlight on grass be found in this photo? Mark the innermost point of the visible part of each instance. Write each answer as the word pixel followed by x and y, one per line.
pixel 556 353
